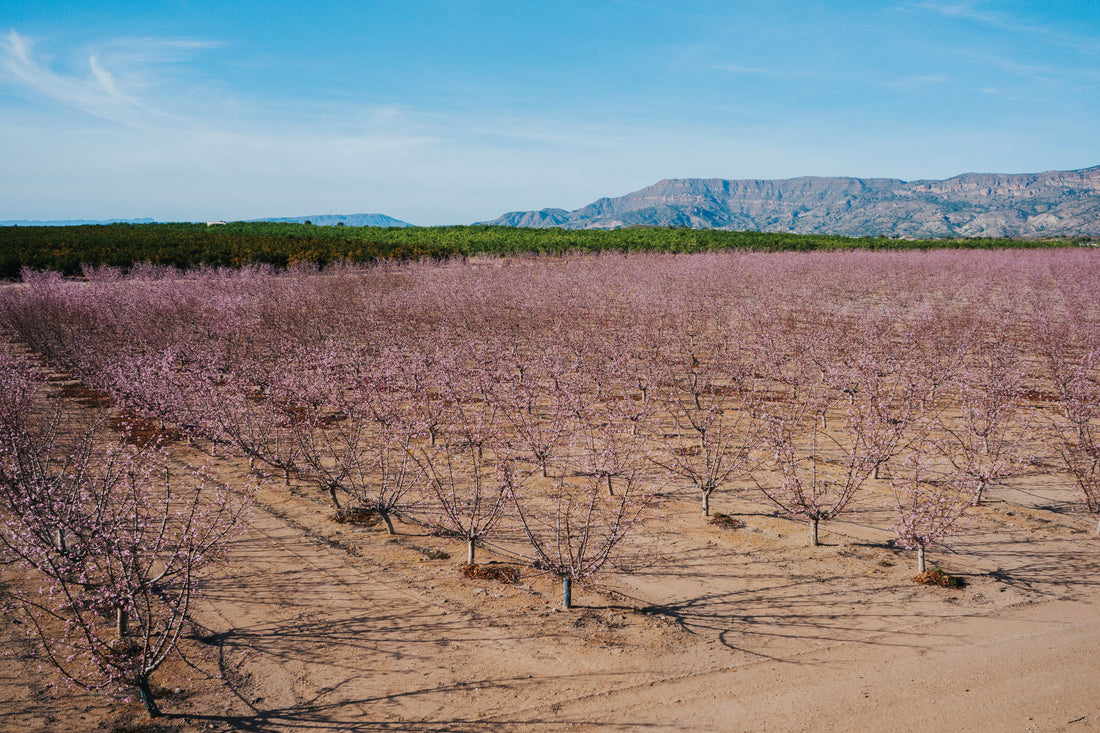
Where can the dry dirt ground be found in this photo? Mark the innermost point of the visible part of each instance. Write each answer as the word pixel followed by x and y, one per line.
pixel 319 626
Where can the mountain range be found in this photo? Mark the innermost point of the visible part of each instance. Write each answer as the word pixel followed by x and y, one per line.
pixel 350 220
pixel 70 222
pixel 1050 204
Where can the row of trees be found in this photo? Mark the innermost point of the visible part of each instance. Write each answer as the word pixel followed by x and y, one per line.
pixel 66 249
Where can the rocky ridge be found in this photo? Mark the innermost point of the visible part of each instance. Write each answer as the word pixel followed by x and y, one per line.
pixel 1049 204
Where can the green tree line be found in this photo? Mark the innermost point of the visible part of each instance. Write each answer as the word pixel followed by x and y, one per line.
pixel 66 249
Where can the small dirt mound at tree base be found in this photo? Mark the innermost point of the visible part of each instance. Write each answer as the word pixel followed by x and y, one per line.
pixel 492 571
pixel 359 516
pixel 939 577
pixel 725 521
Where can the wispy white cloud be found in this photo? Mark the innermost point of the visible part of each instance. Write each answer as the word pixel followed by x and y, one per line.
pixel 111 87
pixel 965 10
pixel 105 79
pixel 924 80
pixel 1002 20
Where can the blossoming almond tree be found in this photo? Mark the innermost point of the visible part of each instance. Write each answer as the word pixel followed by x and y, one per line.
pixel 819 468
pixel 927 510
pixel 709 443
pixel 578 529
pixel 352 436
pixel 113 556
pixel 982 441
pixel 535 398
pixel 463 469
pixel 108 614
pixel 1077 427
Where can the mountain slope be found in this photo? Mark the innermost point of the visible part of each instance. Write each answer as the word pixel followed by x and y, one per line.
pixel 69 222
pixel 351 220
pixel 1051 204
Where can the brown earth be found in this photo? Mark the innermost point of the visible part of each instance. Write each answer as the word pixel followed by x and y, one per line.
pixel 322 626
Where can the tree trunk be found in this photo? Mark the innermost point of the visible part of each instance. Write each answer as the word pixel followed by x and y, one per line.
pixel 920 559
pixel 978 493
pixel 610 490
pixel 122 623
pixel 706 503
pixel 62 543
pixel 567 592
pixel 332 494
pixel 286 475
pixel 470 551
pixel 389 522
pixel 814 521
pixel 147 698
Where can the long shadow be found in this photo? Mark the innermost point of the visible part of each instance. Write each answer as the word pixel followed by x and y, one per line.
pixel 1058 568
pixel 787 599
pixel 304 624
pixel 770 600
pixel 345 715
pixel 780 601
pixel 289 624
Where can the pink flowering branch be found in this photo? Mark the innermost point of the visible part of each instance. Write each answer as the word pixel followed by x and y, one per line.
pixel 928 510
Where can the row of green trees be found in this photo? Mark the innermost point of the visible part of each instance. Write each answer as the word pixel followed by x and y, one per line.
pixel 66 249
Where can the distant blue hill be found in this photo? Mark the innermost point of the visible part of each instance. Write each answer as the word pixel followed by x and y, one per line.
pixel 70 222
pixel 321 220
pixel 350 220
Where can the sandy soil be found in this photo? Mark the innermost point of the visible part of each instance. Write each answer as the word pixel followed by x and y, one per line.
pixel 319 626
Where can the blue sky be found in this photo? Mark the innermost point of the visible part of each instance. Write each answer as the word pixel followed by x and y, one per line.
pixel 454 112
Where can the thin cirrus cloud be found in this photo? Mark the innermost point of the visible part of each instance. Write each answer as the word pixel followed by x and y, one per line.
pixel 148 83
pixel 1005 21
pixel 115 75
pixel 967 11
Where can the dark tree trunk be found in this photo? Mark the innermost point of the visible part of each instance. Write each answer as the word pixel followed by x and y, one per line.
pixel 147 698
